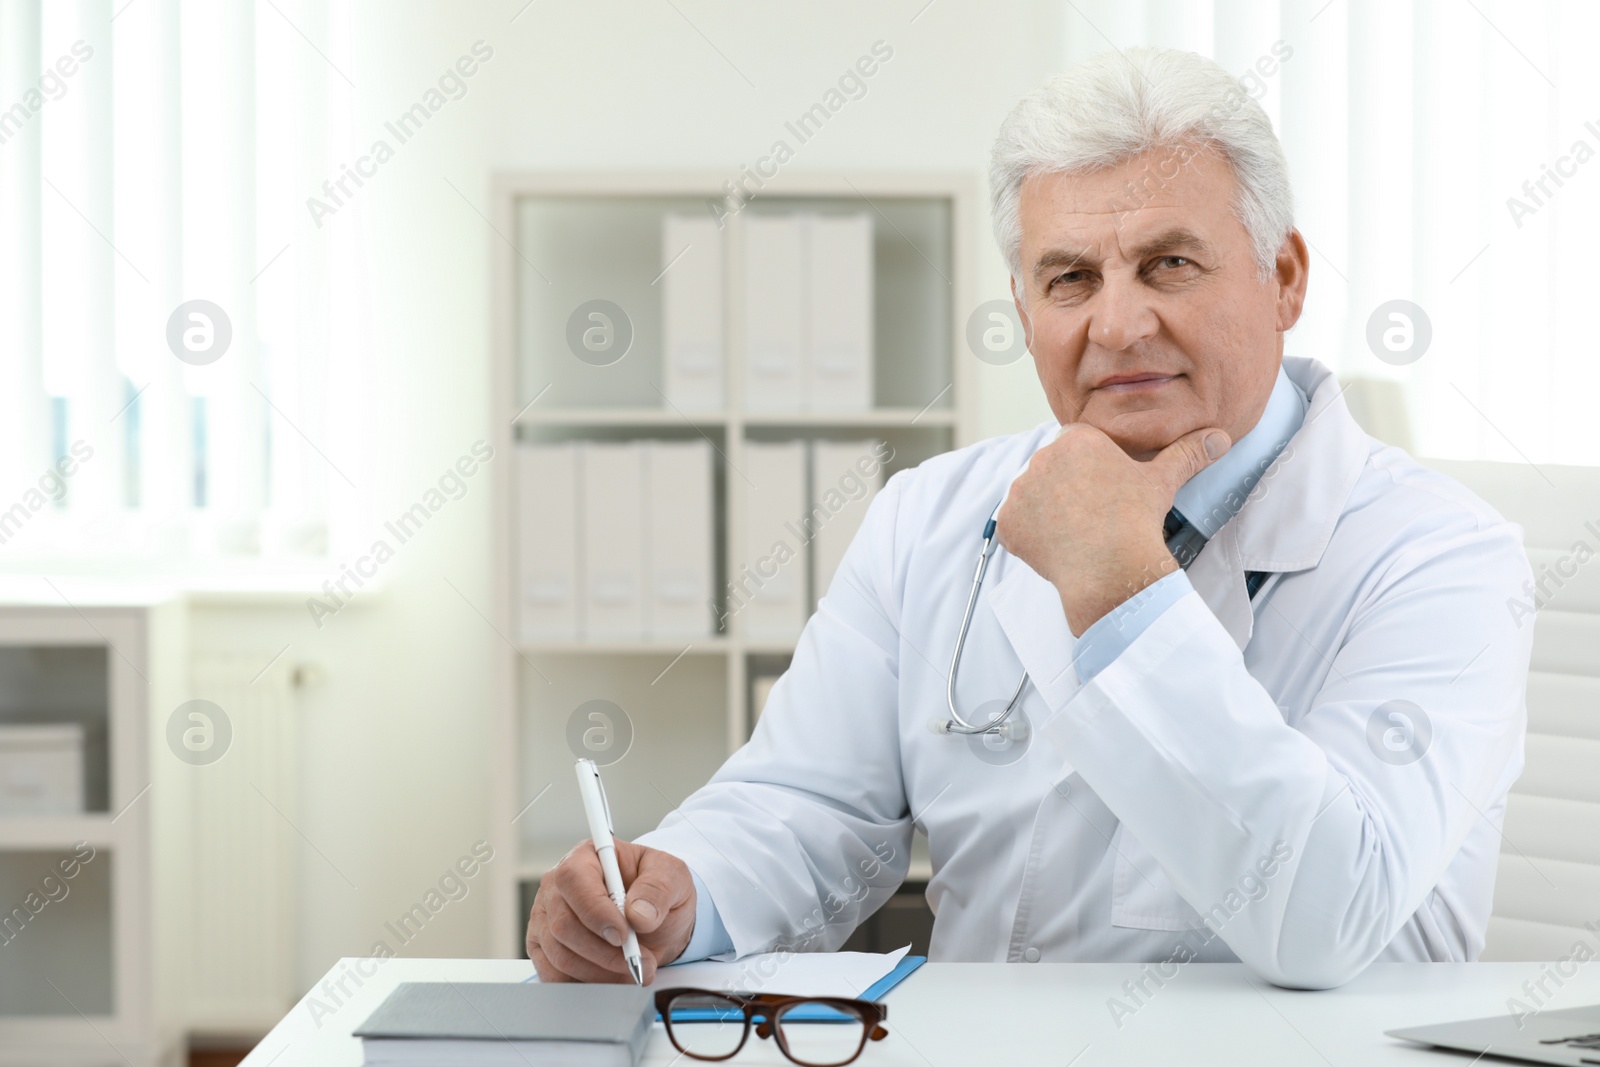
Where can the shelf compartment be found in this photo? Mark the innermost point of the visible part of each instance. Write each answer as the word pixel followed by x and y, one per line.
pixel 577 249
pixel 56 933
pixel 55 684
pixel 677 738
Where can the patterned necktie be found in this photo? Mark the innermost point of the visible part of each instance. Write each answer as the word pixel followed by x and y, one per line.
pixel 1184 541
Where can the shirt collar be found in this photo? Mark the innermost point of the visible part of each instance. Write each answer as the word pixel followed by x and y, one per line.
pixel 1215 495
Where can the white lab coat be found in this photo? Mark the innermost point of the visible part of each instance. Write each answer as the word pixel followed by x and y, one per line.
pixel 1242 763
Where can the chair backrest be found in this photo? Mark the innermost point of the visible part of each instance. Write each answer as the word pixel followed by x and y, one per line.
pixel 1549 883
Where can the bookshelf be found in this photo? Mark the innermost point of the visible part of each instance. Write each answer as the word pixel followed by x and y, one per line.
pixel 685 705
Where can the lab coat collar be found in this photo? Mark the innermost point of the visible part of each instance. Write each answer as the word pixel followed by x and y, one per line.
pixel 1284 525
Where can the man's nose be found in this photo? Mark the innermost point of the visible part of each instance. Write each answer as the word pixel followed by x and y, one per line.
pixel 1122 316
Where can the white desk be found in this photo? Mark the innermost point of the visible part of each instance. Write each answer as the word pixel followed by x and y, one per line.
pixel 960 1014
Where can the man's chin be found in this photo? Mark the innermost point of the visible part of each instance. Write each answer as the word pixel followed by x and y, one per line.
pixel 1143 432
pixel 1142 442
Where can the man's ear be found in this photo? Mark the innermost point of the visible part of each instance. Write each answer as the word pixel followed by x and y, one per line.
pixel 1022 314
pixel 1291 272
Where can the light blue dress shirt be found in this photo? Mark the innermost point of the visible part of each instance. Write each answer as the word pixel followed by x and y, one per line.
pixel 710 937
pixel 1208 500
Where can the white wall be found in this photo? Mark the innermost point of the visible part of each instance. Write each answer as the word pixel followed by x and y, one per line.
pixel 396 737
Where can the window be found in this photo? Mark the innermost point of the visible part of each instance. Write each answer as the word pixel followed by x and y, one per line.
pixel 173 319
pixel 1446 154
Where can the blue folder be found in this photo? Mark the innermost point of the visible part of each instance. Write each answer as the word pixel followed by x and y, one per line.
pixel 815 1013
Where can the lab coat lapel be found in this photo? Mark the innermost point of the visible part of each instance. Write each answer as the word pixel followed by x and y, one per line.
pixel 1217 574
pixel 1289 516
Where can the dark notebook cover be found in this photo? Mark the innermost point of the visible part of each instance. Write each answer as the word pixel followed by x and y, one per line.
pixel 514 1011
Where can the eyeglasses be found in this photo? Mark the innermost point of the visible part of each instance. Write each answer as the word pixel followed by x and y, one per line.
pixel 714 1026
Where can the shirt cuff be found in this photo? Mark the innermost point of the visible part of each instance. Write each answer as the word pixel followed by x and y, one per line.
pixel 1111 634
pixel 710 937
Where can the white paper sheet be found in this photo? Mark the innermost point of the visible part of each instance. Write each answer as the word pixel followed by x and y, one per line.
pixel 800 974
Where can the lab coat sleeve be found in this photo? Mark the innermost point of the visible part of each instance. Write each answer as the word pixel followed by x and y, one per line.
pixel 805 831
pixel 1193 756
pixel 1111 634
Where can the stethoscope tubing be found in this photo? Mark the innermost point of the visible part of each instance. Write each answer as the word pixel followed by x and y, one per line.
pixel 957 724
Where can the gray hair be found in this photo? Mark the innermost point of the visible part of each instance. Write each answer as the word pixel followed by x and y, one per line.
pixel 1117 105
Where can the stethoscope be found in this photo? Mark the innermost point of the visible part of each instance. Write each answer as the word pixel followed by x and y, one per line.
pixel 956 724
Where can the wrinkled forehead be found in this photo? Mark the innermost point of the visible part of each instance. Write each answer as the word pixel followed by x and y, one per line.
pixel 1157 198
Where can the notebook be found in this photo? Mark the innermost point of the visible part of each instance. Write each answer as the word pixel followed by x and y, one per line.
pixel 514 1024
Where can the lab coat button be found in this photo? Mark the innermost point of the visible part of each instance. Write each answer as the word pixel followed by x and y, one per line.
pixel 1032 955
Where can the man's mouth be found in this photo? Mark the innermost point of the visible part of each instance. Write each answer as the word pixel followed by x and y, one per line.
pixel 1134 383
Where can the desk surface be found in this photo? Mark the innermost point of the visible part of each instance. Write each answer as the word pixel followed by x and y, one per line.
pixel 967 1013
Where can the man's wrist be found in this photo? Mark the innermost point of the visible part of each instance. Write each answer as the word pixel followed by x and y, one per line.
pixel 1086 605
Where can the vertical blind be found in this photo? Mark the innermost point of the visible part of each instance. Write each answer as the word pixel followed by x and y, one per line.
pixel 1441 154
pixel 156 153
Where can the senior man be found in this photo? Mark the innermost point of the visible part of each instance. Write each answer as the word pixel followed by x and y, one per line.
pixel 1273 701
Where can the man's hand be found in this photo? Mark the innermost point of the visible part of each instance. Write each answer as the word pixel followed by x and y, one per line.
pixel 1088 518
pixel 575 931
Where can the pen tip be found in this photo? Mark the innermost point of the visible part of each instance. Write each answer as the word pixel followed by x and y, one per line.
pixel 637 970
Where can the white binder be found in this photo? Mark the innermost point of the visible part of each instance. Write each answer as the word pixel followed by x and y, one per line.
pixel 678 545
pixel 845 476
pixel 547 541
pixel 767 592
pixel 613 541
pixel 839 312
pixel 692 312
pixel 773 321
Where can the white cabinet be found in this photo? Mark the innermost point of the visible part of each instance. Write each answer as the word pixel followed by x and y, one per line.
pixel 84 979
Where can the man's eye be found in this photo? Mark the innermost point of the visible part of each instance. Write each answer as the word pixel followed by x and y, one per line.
pixel 1174 262
pixel 1071 277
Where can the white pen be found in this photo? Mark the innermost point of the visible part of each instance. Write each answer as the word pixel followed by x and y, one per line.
pixel 605 846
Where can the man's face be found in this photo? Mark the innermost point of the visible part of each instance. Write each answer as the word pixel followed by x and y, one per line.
pixel 1142 272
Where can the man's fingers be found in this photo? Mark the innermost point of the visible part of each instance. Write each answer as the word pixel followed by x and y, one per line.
pixel 663 883
pixel 538 937
pixel 1190 454
pixel 565 932
pixel 576 932
pixel 547 970
pixel 578 968
pixel 582 888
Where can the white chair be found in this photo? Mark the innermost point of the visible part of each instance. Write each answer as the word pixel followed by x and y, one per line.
pixel 1549 882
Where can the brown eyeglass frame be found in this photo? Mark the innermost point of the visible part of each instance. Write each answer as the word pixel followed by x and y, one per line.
pixel 771 1007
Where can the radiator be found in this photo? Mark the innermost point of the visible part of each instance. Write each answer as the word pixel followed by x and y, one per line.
pixel 242 931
